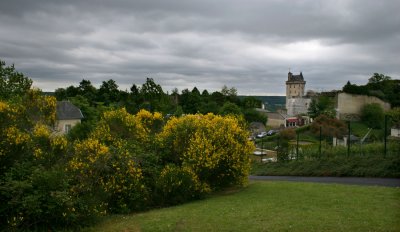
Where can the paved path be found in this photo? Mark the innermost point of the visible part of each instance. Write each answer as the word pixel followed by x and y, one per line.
pixel 389 182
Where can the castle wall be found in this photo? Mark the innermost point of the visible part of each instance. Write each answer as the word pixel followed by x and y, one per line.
pixel 349 105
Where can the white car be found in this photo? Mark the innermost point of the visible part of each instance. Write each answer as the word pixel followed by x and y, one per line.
pixel 262 135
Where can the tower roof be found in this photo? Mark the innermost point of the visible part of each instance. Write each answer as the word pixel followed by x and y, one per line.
pixel 295 77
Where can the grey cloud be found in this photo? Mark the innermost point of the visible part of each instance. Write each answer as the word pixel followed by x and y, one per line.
pixel 246 44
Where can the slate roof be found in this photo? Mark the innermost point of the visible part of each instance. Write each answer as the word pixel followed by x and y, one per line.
pixel 295 77
pixel 66 110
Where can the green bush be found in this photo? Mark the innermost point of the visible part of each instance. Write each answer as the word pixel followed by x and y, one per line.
pixel 36 198
pixel 373 115
pixel 176 185
pixel 339 166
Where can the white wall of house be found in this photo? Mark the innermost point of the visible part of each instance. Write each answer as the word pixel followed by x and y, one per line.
pixel 63 126
pixel 395 132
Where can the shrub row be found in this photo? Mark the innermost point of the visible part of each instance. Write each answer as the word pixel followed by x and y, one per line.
pixel 372 166
pixel 127 163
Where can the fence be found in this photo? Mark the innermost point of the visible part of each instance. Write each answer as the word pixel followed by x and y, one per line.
pixel 306 146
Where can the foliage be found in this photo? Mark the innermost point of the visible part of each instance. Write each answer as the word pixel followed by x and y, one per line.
pixel 108 173
pixel 36 197
pixel 179 184
pixel 216 148
pixel 118 159
pixel 370 166
pixel 283 148
pixel 373 115
pixel 12 83
pixel 330 127
pixel 288 134
pixel 251 115
pixel 394 115
pixel 379 85
pixel 33 183
pixel 321 105
pixel 230 108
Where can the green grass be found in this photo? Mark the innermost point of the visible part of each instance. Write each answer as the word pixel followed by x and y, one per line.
pixel 274 206
pixel 360 129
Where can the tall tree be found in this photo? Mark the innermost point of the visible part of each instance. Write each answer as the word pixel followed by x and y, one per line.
pixel 108 92
pixel 12 83
pixel 87 90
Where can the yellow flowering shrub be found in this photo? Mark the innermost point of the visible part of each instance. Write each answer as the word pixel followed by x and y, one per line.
pixel 40 108
pixel 10 114
pixel 110 170
pixel 58 143
pixel 215 147
pixel 3 106
pixel 41 131
pixel 117 125
pixel 14 136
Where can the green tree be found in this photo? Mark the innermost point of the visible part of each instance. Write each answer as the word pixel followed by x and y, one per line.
pixel 373 115
pixel 377 78
pixel 87 90
pixel 252 115
pixel 230 108
pixel 321 105
pixel 60 94
pixel 251 102
pixel 394 114
pixel 109 92
pixel 12 83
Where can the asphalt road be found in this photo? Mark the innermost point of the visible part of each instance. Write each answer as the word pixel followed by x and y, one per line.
pixel 389 182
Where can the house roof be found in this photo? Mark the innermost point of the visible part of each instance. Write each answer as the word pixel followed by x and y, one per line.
pixel 66 110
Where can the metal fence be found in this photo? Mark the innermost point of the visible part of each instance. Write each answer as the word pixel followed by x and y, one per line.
pixel 326 147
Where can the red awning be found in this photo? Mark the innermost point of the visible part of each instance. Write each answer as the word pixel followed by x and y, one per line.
pixel 291 120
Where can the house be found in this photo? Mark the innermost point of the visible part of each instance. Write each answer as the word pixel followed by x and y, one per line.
pixel 67 116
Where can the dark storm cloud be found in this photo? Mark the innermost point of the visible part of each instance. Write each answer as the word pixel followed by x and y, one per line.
pixel 247 44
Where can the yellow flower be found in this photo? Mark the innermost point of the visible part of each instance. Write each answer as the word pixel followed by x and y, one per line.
pixel 41 130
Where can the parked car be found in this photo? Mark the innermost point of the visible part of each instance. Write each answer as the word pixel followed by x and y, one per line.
pixel 262 134
pixel 271 132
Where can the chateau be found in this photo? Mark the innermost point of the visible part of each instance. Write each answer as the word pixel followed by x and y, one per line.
pixel 296 102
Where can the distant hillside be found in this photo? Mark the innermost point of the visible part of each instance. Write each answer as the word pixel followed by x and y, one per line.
pixel 272 103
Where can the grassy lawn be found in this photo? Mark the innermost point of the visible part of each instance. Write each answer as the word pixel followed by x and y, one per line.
pixel 274 206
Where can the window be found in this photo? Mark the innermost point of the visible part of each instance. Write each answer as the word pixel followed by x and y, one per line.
pixel 67 128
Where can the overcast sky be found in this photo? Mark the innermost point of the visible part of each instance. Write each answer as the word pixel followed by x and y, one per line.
pixel 247 44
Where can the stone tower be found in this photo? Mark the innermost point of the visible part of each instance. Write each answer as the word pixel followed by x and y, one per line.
pixel 295 86
pixel 296 102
